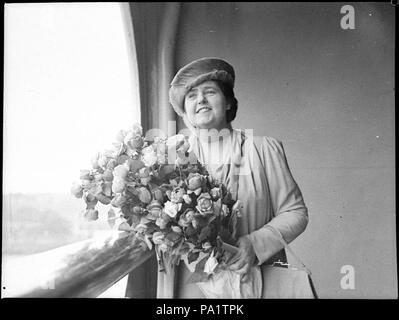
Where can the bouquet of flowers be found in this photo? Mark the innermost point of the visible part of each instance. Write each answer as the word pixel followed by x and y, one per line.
pixel 156 188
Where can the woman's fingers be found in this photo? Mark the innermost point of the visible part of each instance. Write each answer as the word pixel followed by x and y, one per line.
pixel 234 258
pixel 238 264
pixel 241 264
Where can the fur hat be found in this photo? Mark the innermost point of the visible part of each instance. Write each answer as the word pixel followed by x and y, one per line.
pixel 195 73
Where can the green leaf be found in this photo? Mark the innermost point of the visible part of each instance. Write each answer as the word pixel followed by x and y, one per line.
pixel 151 228
pixel 201 264
pixel 217 207
pixel 172 238
pixel 226 236
pixel 190 231
pixel 198 277
pixel 205 233
pixel 192 256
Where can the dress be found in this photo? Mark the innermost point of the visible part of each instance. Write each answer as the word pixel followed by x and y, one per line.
pixel 269 194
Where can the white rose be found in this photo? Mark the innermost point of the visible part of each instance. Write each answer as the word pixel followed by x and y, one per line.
pixel 149 156
pixel 171 208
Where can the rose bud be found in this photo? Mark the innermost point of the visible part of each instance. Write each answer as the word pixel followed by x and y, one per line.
pixel 121 171
pixel 154 209
pixel 77 190
pixel 215 193
pixel 137 210
pixel 144 195
pixel 204 204
pixel 118 185
pixel 85 175
pixel 177 229
pixel 91 214
pixel 158 195
pixel 194 181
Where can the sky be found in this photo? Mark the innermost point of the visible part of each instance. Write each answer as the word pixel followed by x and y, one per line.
pixel 68 90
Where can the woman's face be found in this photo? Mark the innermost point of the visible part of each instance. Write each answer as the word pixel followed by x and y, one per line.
pixel 205 106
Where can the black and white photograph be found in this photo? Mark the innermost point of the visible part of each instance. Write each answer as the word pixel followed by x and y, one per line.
pixel 199 150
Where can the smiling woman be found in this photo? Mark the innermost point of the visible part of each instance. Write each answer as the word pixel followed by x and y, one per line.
pixel 70 87
pixel 206 105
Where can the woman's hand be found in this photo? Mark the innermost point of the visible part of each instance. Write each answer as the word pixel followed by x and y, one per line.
pixel 244 259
